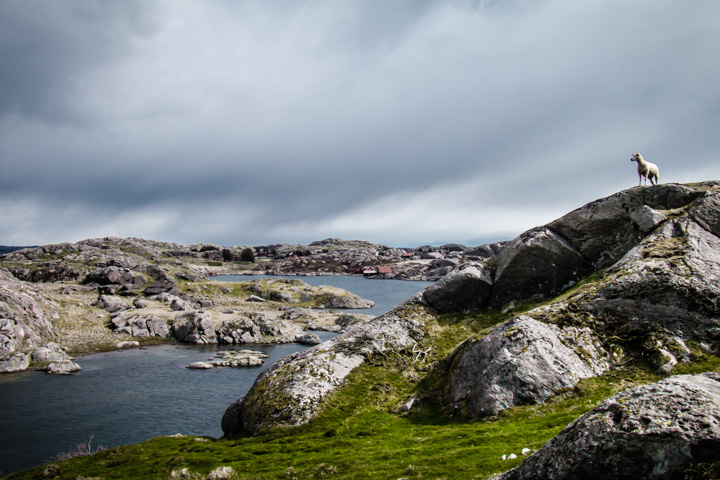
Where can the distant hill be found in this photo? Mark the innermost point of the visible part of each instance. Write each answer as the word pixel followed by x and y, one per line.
pixel 7 249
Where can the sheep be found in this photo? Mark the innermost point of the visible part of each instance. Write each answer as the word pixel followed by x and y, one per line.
pixel 646 169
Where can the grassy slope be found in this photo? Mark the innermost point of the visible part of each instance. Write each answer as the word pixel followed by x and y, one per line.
pixel 363 434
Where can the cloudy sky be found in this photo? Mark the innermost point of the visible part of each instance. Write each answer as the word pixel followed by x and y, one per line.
pixel 399 122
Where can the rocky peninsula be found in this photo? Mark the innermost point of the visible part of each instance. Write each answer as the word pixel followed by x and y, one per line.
pixel 102 294
pixel 584 348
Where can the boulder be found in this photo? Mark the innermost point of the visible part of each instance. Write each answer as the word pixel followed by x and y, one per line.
pixel 308 339
pixel 52 352
pixel 162 286
pixel 221 473
pixel 522 361
pixel 200 366
pixel 14 362
pixel 348 301
pixel 111 304
pixel 538 263
pixel 653 431
pixel 113 275
pixel 127 345
pixel 195 327
pixel 65 367
pixel 291 391
pixel 466 289
pixel 141 325
pixel 604 230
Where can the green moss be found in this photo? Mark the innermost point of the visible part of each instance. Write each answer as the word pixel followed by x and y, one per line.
pixel 667 248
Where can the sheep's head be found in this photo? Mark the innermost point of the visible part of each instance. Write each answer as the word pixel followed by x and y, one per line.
pixel 635 157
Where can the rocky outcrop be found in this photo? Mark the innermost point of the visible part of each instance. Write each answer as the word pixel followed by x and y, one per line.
pixel 539 263
pixel 195 327
pixel 14 362
pixel 653 431
pixel 235 358
pixel 522 361
pixel 291 391
pixel 113 279
pixel 142 325
pixel 52 352
pixel 547 260
pixel 458 291
pixel 662 290
pixel 25 325
pixel 657 287
pixel 162 286
pixel 65 367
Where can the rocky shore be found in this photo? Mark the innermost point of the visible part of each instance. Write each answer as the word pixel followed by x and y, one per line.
pixel 69 299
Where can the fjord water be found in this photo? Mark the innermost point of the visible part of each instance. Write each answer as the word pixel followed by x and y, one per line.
pixel 129 396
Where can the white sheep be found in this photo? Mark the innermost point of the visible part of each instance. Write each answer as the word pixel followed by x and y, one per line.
pixel 646 169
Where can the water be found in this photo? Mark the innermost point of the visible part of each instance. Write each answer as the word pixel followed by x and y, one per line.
pixel 133 395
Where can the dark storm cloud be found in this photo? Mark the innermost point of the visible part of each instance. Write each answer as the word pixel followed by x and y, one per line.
pixel 398 122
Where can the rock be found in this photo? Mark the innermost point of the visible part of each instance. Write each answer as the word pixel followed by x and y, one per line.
pixel 162 286
pixel 647 218
pixel 139 303
pixel 348 301
pixel 669 282
pixel 604 230
pixel 195 327
pixel 62 368
pixel 444 262
pixel 461 290
pixel 111 304
pixel 200 366
pixel 538 263
pixel 114 275
pixel 177 304
pixel 522 361
pixel 408 404
pixel 222 473
pixel 127 345
pixel 141 325
pixel 24 323
pixel 705 212
pixel 308 339
pixel 290 392
pixel 652 432
pixel 50 471
pixel 232 358
pixel 14 362
pixel 157 327
pixel 50 353
pixel 255 298
pixel 545 261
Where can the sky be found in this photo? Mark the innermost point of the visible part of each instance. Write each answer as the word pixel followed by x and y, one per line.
pixel 400 122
